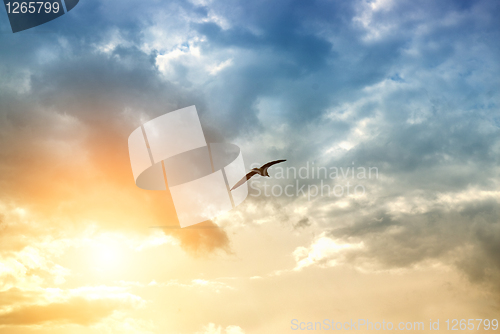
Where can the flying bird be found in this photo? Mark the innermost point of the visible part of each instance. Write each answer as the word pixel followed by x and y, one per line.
pixel 261 171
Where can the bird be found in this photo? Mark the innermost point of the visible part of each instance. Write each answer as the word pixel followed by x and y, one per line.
pixel 261 171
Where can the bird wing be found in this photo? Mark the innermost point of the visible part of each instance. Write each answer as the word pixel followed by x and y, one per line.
pixel 269 164
pixel 244 179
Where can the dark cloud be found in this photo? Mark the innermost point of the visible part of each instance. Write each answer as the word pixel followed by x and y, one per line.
pixel 203 239
pixel 304 222
pixel 467 237
pixel 69 131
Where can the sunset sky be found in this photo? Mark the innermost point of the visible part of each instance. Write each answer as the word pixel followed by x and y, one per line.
pixel 408 88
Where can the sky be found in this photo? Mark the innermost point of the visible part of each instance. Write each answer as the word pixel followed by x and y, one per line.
pixel 394 105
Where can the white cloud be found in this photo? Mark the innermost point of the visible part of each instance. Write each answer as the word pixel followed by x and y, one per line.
pixel 213 329
pixel 214 69
pixel 325 252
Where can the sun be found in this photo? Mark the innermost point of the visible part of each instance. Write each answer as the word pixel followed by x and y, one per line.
pixel 108 255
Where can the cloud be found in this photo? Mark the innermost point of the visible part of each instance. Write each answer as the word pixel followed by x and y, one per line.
pixel 324 252
pixel 73 139
pixel 304 222
pixel 213 329
pixel 78 306
pixel 408 87
pixel 465 238
pixel 76 310
pixel 195 283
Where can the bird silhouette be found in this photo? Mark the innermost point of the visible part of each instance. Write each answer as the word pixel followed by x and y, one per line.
pixel 261 171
